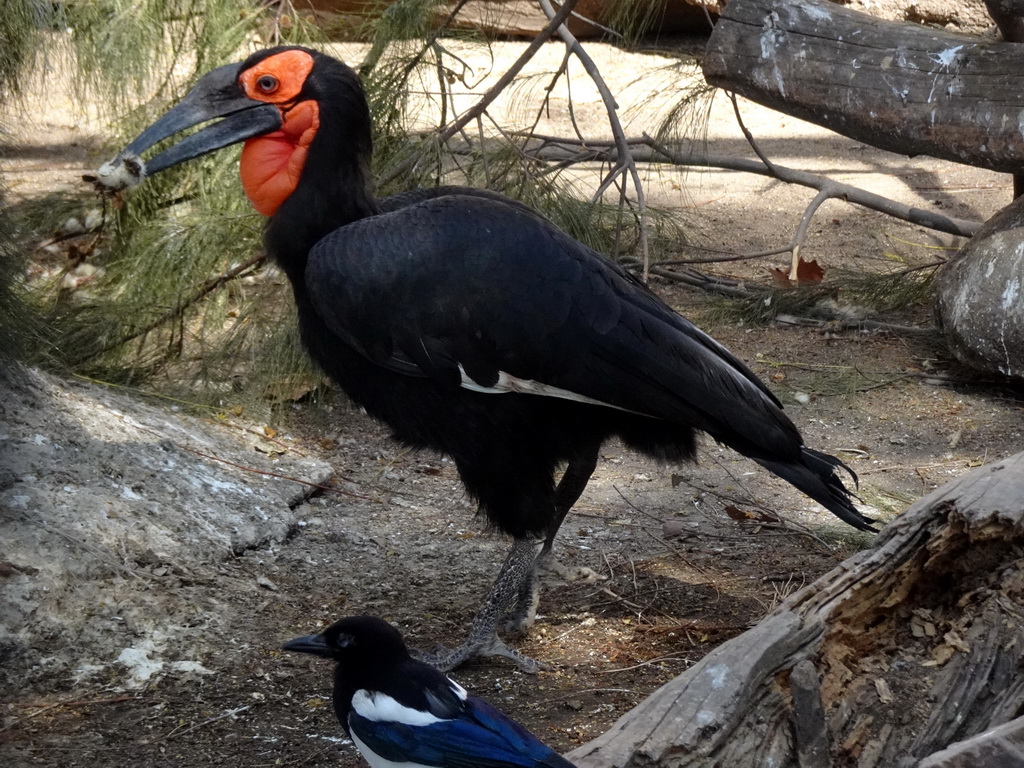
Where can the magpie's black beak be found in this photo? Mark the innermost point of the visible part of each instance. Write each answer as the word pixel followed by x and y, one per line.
pixel 313 644
pixel 216 95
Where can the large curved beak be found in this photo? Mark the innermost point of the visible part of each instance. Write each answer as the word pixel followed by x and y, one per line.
pixel 216 95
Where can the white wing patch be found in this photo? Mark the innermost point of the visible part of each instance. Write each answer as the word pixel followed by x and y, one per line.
pixel 381 708
pixel 507 383
pixel 459 690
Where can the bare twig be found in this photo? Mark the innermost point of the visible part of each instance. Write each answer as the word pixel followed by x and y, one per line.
pixel 178 311
pixel 670 657
pixel 447 132
pixel 697 279
pixel 856 325
pixel 748 135
pixel 856 195
pixel 826 192
pixel 555 148
pixel 203 724
pixel 626 164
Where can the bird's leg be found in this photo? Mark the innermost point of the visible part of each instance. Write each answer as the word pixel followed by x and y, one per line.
pixel 483 637
pixel 570 487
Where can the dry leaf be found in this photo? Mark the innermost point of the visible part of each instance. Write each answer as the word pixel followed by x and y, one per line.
pixel 738 514
pixel 809 271
pixel 806 272
pixel 780 277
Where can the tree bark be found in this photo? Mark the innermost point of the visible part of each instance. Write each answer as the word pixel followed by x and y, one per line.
pixel 888 659
pixel 900 87
pixel 979 296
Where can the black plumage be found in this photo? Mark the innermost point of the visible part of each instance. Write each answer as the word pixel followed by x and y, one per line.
pixel 473 326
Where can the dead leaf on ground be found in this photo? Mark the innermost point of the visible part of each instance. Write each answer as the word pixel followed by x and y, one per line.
pixel 806 272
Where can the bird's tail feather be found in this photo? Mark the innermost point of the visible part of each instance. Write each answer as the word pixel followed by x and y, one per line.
pixel 816 475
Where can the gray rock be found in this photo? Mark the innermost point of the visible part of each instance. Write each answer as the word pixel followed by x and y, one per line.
pixel 112 512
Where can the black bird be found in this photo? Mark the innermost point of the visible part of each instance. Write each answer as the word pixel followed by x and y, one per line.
pixel 469 323
pixel 401 712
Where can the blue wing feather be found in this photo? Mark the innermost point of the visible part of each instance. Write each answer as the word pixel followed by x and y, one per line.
pixel 482 737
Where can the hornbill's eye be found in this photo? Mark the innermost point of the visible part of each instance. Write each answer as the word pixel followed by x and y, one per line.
pixel 267 83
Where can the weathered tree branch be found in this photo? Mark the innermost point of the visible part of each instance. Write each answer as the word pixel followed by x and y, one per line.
pixel 625 163
pixel 560 150
pixel 471 114
pixel 901 87
pixel 891 657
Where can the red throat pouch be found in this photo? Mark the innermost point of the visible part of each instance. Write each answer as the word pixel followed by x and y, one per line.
pixel 271 164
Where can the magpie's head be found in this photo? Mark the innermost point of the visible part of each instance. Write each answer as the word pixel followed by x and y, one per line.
pixel 354 641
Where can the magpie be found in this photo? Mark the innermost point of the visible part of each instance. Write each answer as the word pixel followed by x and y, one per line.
pixel 400 711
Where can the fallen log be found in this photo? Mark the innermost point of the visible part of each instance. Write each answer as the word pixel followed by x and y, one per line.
pixel 897 86
pixel 890 658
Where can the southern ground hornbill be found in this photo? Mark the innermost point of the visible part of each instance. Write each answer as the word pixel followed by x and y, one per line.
pixel 470 324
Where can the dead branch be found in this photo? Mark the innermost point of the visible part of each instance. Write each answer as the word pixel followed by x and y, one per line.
pixel 848 192
pixel 556 149
pixel 178 311
pixel 894 655
pixel 625 163
pixel 902 87
pixel 827 192
pixel 447 132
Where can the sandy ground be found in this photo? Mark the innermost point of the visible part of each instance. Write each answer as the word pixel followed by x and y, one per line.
pixel 394 535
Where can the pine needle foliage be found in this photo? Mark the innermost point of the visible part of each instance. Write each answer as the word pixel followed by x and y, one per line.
pixel 170 298
pixel 891 291
pixel 22 24
pixel 19 326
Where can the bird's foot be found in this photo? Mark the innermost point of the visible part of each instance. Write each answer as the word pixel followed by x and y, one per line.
pixel 446 659
pixel 521 618
pixel 547 564
pixel 513 591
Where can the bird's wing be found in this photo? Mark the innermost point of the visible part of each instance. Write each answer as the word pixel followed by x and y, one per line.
pixel 482 737
pixel 476 293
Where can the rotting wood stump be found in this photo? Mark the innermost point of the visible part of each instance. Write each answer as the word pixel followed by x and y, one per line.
pixel 897 86
pixel 888 659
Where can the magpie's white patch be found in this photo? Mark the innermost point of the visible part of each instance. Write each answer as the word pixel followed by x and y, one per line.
pixel 459 690
pixel 381 708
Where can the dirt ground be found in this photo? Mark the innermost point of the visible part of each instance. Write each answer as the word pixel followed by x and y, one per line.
pixel 395 535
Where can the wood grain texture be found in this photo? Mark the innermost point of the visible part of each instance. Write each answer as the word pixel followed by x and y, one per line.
pixel 891 657
pixel 901 87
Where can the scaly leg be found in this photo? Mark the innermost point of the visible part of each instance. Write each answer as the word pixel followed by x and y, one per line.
pixel 483 637
pixel 570 487
pixel 515 592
